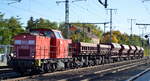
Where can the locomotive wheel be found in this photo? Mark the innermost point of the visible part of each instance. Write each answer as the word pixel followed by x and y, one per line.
pixel 47 67
pixel 53 67
pixel 67 65
pixel 42 68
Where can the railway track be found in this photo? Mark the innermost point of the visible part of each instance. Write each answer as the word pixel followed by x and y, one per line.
pixel 2 67
pixel 6 72
pixel 84 73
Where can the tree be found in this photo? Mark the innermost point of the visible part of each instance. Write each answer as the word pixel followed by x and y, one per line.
pixel 41 23
pixel 81 32
pixel 9 28
pixel 30 23
pixel 117 37
pixel 106 38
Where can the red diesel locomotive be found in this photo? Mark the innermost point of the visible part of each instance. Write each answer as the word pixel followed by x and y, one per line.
pixel 46 50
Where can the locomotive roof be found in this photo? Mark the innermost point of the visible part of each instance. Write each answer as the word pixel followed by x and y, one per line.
pixel 56 30
pixel 44 29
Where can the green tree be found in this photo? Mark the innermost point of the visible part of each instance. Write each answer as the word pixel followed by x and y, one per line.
pixel 41 23
pixel 9 28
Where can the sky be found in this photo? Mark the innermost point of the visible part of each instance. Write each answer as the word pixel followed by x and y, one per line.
pixel 83 11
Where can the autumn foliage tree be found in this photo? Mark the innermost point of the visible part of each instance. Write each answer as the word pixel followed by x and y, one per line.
pixel 122 38
pixel 81 32
pixel 106 38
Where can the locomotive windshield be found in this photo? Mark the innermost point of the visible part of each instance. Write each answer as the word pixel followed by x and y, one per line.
pixel 58 35
pixel 47 33
pixel 44 33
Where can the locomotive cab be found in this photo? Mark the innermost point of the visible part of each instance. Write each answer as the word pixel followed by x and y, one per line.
pixel 59 46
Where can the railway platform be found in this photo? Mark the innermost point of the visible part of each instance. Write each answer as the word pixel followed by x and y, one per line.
pixel 143 76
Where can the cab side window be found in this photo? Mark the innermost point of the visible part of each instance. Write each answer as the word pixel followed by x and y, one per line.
pixel 58 35
pixel 49 34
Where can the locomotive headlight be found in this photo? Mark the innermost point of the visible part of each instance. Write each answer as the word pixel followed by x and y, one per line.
pixel 14 53
pixel 33 54
pixel 14 56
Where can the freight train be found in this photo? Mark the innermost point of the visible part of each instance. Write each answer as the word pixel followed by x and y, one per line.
pixel 45 50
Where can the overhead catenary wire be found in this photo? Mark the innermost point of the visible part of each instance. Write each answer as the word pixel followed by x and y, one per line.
pixel 146 8
pixel 47 7
pixel 50 8
pixel 87 10
pixel 24 9
pixel 30 11
pixel 81 11
pixel 73 11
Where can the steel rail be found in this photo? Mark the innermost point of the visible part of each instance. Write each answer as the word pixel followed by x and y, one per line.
pixel 100 69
